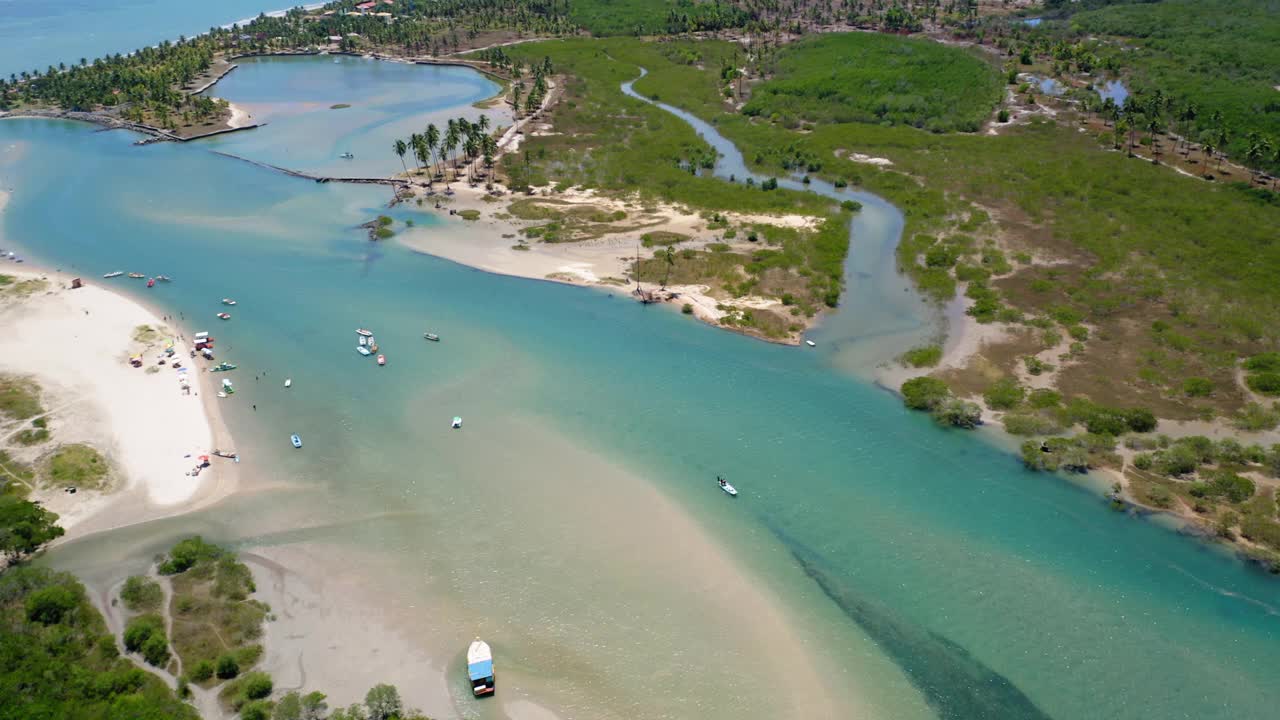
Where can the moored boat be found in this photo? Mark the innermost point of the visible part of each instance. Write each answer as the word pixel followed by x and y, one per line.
pixel 362 340
pixel 228 301
pixel 136 276
pixel 297 441
pixel 382 359
pixel 457 422
pixel 362 331
pixel 431 336
pixel 115 274
pixel 362 349
pixel 288 382
pixel 151 282
pixel 224 316
pixel 164 278
pixel 810 343
pixel 223 367
pixel 480 668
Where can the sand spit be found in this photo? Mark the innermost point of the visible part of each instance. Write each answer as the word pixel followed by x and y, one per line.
pixel 77 344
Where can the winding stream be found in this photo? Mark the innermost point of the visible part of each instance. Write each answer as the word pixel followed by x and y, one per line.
pixel 852 338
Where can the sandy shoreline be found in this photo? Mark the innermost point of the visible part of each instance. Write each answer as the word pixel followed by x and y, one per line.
pixel 491 243
pixel 76 345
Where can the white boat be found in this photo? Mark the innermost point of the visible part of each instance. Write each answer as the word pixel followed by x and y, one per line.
pixel 297 441
pixel 362 350
pixel 228 301
pixel 725 486
pixel 810 343
pixel 288 382
pixel 362 331
pixel 431 336
pixel 480 668
pixel 117 273
pixel 457 422
pixel 363 340
pixel 221 394
pixel 347 156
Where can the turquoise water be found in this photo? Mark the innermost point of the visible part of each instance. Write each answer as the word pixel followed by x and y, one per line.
pixel 889 541
pixel 388 101
pixel 35 35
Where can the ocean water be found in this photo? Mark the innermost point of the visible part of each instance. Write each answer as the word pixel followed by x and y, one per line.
pixel 35 35
pixel 926 573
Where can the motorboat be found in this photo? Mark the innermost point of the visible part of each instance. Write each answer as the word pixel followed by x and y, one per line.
pixel 432 337
pixel 136 276
pixel 457 422
pixel 115 274
pixel 480 668
pixel 362 340
pixel 362 349
pixel 382 359
pixel 810 343
pixel 347 156
pixel 362 331
pixel 725 486
pixel 373 346
pixel 164 278
pixel 224 316
pixel 288 382
pixel 228 387
pixel 151 282
pixel 223 367
pixel 228 301
pixel 297 441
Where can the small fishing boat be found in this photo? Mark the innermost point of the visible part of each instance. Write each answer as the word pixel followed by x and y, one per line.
pixel 224 316
pixel 362 331
pixel 432 337
pixel 151 282
pixel 810 343
pixel 480 668
pixel 223 367
pixel 362 340
pixel 362 350
pixel 228 301
pixel 115 274
pixel 288 382
pixel 347 156
pixel 228 387
pixel 164 278
pixel 136 276
pixel 297 441
pixel 457 422
pixel 382 359
pixel 373 346
pixel 725 486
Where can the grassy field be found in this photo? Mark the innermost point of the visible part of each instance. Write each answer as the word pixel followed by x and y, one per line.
pixel 77 465
pixel 19 398
pixel 882 79
pixel 1224 56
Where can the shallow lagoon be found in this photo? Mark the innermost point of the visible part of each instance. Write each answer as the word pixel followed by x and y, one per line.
pixel 923 571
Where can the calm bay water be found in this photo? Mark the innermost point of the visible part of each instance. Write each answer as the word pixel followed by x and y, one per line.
pixel 927 572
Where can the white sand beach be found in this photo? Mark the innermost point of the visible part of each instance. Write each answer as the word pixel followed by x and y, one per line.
pixel 76 344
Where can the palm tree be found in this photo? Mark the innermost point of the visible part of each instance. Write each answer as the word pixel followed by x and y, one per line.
pixel 415 143
pixel 484 123
pixel 401 147
pixel 1207 148
pixel 433 141
pixel 1220 139
pixel 668 257
pixel 1153 127
pixel 1188 117
pixel 1259 148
